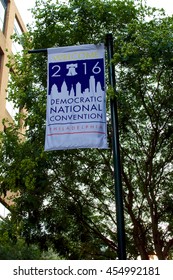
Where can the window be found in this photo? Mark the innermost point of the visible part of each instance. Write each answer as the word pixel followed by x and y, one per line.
pixel 12 110
pixel 17 46
pixel 3 211
pixel 1 63
pixel 1 56
pixel 3 7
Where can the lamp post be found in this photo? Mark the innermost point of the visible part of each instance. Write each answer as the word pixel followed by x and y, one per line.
pixel 116 154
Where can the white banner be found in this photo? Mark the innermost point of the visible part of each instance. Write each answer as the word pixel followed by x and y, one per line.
pixel 76 102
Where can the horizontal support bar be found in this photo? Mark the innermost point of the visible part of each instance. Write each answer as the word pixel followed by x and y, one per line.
pixel 38 51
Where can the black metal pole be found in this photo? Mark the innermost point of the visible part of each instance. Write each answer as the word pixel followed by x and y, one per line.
pixel 116 154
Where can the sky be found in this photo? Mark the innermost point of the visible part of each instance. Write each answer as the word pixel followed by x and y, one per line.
pixel 24 6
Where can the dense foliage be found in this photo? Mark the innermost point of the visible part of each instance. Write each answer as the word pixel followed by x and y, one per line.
pixel 67 197
pixel 14 247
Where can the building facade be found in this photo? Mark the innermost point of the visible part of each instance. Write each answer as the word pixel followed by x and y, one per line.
pixel 10 23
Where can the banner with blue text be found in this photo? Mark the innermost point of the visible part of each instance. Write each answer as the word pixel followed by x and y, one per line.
pixel 76 101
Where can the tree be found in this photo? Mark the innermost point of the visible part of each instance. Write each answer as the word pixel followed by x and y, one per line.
pixel 67 197
pixel 145 72
pixel 13 247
